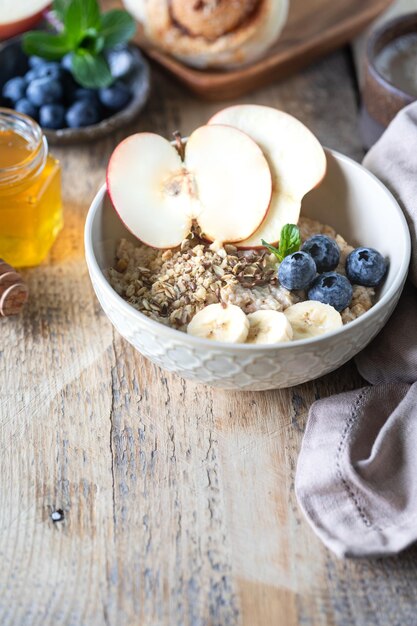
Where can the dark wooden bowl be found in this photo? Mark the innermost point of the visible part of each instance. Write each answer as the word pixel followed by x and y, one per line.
pixel 13 62
pixel 382 99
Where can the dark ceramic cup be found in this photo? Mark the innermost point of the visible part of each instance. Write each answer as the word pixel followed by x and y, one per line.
pixel 381 98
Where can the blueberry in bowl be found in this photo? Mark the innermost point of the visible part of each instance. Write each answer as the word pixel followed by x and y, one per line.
pixel 297 271
pixel 115 97
pixel 324 251
pixel 82 113
pixel 44 90
pixel 52 116
pixel 331 288
pixel 366 266
pixel 14 89
pixel 68 112
pixel 25 106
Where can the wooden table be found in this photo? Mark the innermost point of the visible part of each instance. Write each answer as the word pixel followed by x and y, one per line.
pixel 129 497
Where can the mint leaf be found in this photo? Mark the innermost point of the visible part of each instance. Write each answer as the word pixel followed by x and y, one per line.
pixel 91 71
pixel 92 41
pixel 80 16
pixel 272 249
pixel 290 242
pixel 46 45
pixel 86 33
pixel 117 27
pixel 60 7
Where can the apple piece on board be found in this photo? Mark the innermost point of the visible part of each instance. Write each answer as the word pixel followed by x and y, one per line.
pixel 16 16
pixel 224 183
pixel 296 159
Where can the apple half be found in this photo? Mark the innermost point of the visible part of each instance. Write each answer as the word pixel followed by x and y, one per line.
pixel 16 16
pixel 296 159
pixel 223 182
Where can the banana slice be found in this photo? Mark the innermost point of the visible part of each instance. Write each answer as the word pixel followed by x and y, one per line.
pixel 311 319
pixel 221 323
pixel 268 327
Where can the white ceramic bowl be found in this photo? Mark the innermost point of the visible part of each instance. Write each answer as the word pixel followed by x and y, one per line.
pixel 351 200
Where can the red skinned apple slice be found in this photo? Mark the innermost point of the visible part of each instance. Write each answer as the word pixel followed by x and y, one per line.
pixel 224 183
pixel 145 181
pixel 296 159
pixel 17 16
pixel 233 182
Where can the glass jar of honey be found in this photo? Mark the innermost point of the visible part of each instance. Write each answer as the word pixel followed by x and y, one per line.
pixel 30 191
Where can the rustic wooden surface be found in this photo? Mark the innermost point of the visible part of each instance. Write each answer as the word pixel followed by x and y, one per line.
pixel 129 497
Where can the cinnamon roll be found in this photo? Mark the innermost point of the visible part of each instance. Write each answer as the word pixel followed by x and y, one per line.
pixel 211 33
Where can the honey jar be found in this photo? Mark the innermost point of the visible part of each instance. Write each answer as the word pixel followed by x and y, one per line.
pixel 30 191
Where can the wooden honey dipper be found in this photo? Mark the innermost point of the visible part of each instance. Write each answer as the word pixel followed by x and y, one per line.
pixel 13 291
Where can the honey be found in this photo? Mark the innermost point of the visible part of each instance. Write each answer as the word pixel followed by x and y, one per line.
pixel 30 192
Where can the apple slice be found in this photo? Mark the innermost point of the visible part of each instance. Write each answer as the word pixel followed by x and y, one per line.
pixel 145 181
pixel 233 182
pixel 17 16
pixel 224 183
pixel 296 159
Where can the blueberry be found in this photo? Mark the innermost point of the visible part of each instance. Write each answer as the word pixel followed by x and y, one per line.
pixel 15 88
pixel 52 116
pixel 366 266
pixel 35 61
pixel 86 94
pixel 31 75
pixel 331 288
pixel 48 70
pixel 115 97
pixel 25 106
pixel 324 250
pixel 66 62
pixel 45 70
pixel 297 271
pixel 82 113
pixel 44 91
pixel 120 61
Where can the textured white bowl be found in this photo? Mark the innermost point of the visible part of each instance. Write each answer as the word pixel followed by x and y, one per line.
pixel 351 200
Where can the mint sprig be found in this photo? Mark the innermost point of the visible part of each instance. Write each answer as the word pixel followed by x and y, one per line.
pixel 85 34
pixel 289 242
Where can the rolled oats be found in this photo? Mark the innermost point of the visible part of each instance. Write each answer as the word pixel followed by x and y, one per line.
pixel 170 286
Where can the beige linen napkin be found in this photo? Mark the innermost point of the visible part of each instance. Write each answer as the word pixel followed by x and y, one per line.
pixel 356 478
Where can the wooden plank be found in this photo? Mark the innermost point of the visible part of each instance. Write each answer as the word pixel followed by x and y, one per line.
pixel 177 500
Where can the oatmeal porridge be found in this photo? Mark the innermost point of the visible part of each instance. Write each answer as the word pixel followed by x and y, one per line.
pixel 171 286
pixel 232 181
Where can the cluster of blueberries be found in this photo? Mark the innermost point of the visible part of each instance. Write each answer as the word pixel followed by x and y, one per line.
pixel 311 269
pixel 49 94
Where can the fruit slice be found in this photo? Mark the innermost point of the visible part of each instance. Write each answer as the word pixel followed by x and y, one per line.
pixel 146 180
pixel 224 183
pixel 268 327
pixel 296 159
pixel 221 323
pixel 17 16
pixel 233 182
pixel 311 319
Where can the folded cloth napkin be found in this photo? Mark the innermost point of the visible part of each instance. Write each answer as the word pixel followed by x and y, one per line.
pixel 356 478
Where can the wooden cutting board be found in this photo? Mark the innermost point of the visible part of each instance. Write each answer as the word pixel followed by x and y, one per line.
pixel 314 28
